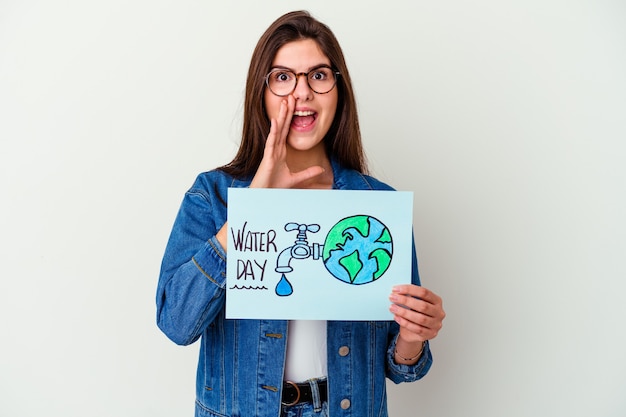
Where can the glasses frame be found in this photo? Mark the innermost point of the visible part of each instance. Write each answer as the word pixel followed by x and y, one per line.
pixel 306 76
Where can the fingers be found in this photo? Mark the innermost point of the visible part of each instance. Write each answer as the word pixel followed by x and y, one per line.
pixel 418 299
pixel 418 292
pixel 307 174
pixel 271 137
pixel 419 332
pixel 415 326
pixel 279 127
pixel 276 126
pixel 285 115
pixel 417 310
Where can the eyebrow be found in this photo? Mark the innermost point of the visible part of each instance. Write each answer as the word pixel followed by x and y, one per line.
pixel 277 67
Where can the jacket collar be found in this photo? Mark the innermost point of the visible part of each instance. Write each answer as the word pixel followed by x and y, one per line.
pixel 347 179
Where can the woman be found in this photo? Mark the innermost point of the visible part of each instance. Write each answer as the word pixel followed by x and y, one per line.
pixel 299 90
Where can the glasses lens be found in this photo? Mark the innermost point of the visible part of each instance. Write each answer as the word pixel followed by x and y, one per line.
pixel 281 82
pixel 322 80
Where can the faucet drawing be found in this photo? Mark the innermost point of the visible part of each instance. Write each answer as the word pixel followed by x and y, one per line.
pixel 300 250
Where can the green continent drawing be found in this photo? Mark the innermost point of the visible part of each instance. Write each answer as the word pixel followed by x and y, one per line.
pixel 358 249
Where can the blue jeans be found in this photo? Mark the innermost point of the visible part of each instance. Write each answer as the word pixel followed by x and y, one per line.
pixel 314 408
pixel 305 410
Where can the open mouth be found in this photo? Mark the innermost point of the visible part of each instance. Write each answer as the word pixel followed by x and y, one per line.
pixel 302 119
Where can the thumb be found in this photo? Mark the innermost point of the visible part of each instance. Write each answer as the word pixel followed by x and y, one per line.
pixel 307 174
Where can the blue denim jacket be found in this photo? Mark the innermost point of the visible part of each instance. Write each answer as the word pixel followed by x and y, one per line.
pixel 241 364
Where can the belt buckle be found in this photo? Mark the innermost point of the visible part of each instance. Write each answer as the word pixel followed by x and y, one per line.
pixel 297 397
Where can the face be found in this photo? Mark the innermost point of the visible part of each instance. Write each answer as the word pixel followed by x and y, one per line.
pixel 313 113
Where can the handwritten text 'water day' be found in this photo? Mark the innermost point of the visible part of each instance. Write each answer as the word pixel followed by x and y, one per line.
pixel 250 241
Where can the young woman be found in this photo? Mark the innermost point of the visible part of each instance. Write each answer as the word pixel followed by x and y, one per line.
pixel 300 131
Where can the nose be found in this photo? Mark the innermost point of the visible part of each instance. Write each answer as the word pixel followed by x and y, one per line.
pixel 302 90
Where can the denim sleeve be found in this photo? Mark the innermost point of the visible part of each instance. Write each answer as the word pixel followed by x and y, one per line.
pixel 191 288
pixel 407 373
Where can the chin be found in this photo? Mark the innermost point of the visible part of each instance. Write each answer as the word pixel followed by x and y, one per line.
pixel 305 144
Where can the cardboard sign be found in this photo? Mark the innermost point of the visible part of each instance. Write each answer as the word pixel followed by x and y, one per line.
pixel 316 254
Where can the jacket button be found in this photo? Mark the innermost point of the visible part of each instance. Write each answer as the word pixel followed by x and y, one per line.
pixel 345 404
pixel 344 350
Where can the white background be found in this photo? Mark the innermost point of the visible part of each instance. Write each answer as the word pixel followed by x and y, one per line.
pixel 506 118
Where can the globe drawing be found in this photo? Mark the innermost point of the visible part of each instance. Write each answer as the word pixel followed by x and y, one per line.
pixel 358 249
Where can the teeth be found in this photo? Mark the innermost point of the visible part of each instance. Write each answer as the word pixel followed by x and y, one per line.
pixel 303 113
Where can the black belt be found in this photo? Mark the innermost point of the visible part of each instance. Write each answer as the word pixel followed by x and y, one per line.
pixel 301 392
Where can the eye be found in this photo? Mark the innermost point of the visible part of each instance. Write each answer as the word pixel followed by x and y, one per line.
pixel 281 76
pixel 321 74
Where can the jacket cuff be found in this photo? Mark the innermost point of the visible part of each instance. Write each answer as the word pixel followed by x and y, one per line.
pixel 211 262
pixel 408 373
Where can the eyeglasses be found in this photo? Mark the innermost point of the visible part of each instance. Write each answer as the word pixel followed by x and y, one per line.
pixel 282 81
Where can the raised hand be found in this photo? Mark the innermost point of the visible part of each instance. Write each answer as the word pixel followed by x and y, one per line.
pixel 273 171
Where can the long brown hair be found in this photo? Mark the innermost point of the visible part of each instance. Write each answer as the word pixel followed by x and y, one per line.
pixel 343 140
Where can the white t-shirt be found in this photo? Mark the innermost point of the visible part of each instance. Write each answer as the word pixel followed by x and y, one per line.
pixel 306 350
